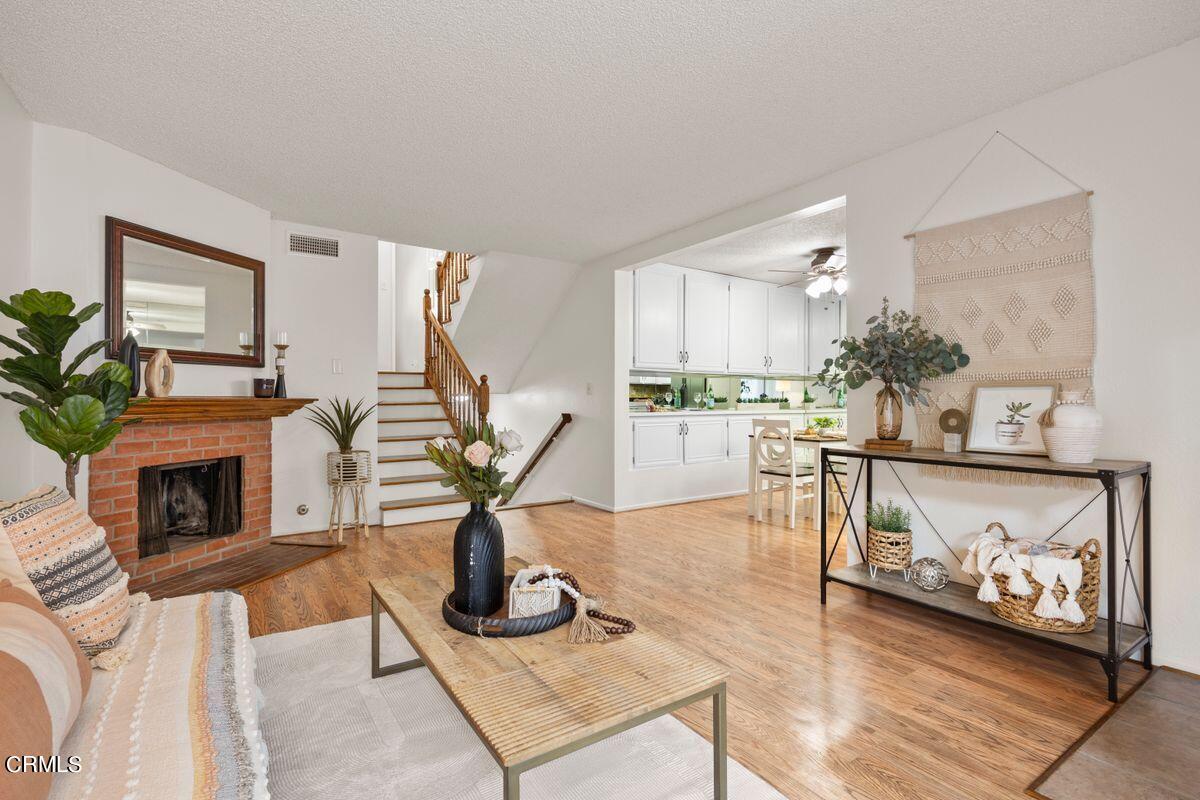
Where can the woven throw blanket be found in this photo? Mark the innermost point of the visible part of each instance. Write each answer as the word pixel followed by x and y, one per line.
pixel 1016 290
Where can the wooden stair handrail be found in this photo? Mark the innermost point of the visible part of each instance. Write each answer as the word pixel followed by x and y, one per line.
pixel 464 400
pixel 452 270
pixel 538 454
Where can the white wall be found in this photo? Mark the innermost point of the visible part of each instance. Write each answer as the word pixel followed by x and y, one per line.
pixel 1128 134
pixel 415 271
pixel 328 307
pixel 570 368
pixel 513 299
pixel 16 186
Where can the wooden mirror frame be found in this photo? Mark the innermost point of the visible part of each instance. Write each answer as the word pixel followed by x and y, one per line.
pixel 115 231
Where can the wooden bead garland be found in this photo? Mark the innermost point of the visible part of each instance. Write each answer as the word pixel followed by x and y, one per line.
pixel 587 609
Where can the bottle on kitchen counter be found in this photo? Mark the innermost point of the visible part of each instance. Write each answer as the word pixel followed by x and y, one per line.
pixel 683 394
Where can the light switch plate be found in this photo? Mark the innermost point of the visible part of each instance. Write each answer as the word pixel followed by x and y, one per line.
pixel 337 366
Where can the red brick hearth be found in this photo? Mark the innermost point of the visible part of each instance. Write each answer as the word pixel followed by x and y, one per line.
pixel 113 489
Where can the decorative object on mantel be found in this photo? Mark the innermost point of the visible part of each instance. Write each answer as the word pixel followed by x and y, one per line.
pixel 889 538
pixel 474 473
pixel 281 346
pixel 1001 415
pixel 898 350
pixel 130 355
pixel 930 574
pixel 1067 580
pixel 70 413
pixel 1071 429
pixel 264 388
pixel 347 470
pixel 952 422
pixel 160 375
pixel 1016 289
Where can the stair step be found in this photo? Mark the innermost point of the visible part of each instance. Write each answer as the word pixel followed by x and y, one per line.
pixel 413 419
pixel 416 437
pixel 430 477
pixel 395 372
pixel 410 403
pixel 398 459
pixel 421 502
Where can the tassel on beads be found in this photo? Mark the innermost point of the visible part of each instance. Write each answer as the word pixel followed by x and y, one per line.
pixel 1047 606
pixel 988 593
pixel 1071 611
pixel 1018 584
pixel 584 629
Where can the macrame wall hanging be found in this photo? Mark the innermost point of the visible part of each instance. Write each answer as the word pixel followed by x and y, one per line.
pixel 1016 290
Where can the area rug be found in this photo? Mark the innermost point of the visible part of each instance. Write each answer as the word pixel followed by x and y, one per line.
pixel 332 731
pixel 1145 749
pixel 1015 289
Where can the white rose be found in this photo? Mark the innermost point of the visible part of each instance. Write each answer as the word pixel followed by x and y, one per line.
pixel 440 443
pixel 478 453
pixel 510 441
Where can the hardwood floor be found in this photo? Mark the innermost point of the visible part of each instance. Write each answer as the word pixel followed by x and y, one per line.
pixel 864 698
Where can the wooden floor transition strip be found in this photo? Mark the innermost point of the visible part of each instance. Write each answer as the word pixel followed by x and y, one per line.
pixel 243 570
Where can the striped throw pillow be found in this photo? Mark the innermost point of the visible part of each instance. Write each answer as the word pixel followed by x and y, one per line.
pixel 67 558
pixel 42 666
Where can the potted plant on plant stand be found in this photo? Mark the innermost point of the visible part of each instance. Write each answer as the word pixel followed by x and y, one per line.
pixel 346 469
pixel 1010 429
pixel 899 351
pixel 889 538
pixel 69 412
pixel 475 474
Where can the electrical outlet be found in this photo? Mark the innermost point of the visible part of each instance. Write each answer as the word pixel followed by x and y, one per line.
pixel 337 366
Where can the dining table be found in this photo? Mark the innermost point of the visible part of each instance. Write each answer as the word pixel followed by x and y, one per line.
pixel 801 441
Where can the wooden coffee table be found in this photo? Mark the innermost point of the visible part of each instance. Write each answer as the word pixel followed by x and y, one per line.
pixel 533 699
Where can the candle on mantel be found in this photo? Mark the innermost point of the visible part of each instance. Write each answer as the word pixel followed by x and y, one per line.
pixel 281 338
pixel 243 338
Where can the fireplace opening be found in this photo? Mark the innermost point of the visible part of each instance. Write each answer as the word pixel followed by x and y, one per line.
pixel 188 504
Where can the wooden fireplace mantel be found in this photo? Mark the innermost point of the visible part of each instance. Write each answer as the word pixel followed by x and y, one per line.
pixel 194 409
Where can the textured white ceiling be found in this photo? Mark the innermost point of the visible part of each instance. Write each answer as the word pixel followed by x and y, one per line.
pixel 556 128
pixel 787 244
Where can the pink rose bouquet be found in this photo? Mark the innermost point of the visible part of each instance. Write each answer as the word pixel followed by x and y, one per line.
pixel 473 470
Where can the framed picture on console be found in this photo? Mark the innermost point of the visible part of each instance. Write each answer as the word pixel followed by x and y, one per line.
pixel 1004 419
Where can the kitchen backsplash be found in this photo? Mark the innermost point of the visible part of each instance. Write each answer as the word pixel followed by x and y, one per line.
pixel 730 387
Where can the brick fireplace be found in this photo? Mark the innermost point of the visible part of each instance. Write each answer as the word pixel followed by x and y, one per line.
pixel 186 432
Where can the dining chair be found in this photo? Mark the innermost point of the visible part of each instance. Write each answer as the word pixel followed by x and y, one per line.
pixel 778 468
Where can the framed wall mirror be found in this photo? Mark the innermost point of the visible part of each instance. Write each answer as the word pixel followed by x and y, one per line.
pixel 201 304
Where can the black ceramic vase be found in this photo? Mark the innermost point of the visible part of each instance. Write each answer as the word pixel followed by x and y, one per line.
pixel 479 563
pixel 130 356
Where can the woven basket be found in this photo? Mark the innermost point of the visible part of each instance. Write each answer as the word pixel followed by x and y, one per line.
pixel 348 469
pixel 889 550
pixel 1019 610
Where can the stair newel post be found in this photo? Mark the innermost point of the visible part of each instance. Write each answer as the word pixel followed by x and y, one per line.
pixel 485 396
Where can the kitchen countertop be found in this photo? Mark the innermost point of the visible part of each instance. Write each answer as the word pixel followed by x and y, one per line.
pixel 717 412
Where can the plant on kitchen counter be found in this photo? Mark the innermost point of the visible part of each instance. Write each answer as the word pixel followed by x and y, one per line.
pixel 824 423
pixel 898 351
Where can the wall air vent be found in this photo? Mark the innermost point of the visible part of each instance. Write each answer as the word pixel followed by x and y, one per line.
pixel 306 245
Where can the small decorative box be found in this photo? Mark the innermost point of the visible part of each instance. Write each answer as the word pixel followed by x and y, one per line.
pixel 530 600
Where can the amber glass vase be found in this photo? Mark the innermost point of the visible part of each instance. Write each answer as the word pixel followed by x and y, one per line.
pixel 889 413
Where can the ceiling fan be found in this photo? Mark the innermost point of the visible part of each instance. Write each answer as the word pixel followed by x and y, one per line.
pixel 827 271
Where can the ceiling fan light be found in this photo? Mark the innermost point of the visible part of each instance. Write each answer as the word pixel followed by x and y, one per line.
pixel 841 284
pixel 823 283
pixel 836 261
pixel 812 291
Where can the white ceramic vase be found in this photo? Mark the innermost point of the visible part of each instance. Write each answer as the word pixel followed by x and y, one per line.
pixel 1071 429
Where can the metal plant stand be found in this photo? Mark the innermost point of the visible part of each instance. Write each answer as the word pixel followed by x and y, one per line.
pixel 1112 642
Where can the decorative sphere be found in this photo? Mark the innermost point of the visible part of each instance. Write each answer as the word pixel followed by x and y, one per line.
pixel 930 574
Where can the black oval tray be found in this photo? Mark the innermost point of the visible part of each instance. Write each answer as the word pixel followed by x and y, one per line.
pixel 496 627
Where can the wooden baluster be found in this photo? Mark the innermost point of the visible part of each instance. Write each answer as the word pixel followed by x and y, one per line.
pixel 485 396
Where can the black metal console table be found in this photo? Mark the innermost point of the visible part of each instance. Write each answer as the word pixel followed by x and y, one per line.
pixel 1112 642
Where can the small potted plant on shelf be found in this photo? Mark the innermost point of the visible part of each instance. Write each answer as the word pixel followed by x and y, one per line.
pixel 1010 429
pixel 824 425
pixel 889 538
pixel 808 401
pixel 900 352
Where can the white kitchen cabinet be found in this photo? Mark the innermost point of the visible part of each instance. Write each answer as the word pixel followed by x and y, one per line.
pixel 740 429
pixel 658 318
pixel 705 439
pixel 705 321
pixel 658 442
pixel 748 329
pixel 785 351
pixel 824 327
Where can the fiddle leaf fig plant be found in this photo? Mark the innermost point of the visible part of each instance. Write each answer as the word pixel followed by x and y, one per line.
pixel 72 413
pixel 899 351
